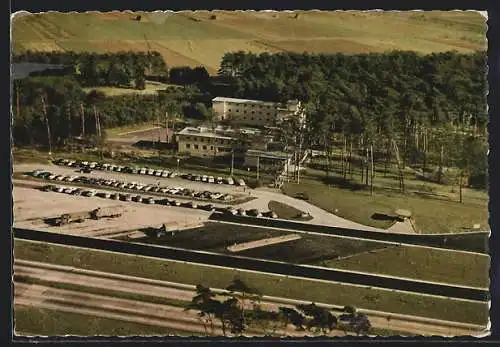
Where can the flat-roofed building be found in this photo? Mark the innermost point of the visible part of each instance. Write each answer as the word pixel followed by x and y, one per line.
pixel 255 112
pixel 205 142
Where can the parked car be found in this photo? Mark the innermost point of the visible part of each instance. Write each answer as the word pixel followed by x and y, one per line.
pixel 158 173
pixel 114 196
pixel 241 183
pixel 204 178
pixel 197 178
pixel 230 180
pixel 127 197
pixel 254 213
pixel 151 172
pixel 165 173
pixel 48 188
pixel 192 204
pixel 173 174
pixel 220 180
pixel 137 198
pixel 242 212
pixel 143 171
pixel 211 179
pixel 175 203
pixel 208 207
pixel 150 201
pixel 89 193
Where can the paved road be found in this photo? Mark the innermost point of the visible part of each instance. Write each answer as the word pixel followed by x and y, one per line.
pixel 130 284
pixel 264 196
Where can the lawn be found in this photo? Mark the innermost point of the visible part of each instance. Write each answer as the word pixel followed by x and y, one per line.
pixel 194 39
pixel 302 289
pixel 118 131
pixel 285 211
pixel 359 206
pixel 44 322
pixel 420 263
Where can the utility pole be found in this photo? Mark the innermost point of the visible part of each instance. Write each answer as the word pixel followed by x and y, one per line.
pixel 44 106
pixel 232 162
pixel 258 166
pixel 68 114
pixel 18 102
pixel 83 120
pixel 366 160
pixel 371 180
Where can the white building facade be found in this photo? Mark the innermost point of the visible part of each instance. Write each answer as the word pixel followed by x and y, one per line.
pixel 255 112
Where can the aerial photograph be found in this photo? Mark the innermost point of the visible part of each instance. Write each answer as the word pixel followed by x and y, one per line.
pixel 250 173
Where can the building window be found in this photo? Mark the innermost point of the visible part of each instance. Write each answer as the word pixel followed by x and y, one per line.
pixel 268 113
pixel 204 148
pixel 195 146
pixel 188 145
pixel 237 110
pixel 202 140
pixel 253 112
pixel 229 110
pixel 211 148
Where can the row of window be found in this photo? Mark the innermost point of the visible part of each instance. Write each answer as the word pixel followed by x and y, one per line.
pixel 207 140
pixel 206 148
pixel 248 105
pixel 253 112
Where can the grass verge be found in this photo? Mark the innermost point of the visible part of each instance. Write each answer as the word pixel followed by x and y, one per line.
pixel 285 211
pixel 302 289
pixel 37 321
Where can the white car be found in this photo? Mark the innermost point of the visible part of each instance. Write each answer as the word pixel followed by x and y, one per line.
pixel 230 180
pixel 220 180
pixel 151 172
pixel 59 177
pixel 173 174
pixel 85 163
pixel 60 189
pixel 143 171
pixel 93 165
pixel 204 178
pixel 165 173
pixel 52 176
pixel 139 187
pixel 241 182
pixel 211 179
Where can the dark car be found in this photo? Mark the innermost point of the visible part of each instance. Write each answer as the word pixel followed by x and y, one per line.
pixel 86 170
pixel 302 196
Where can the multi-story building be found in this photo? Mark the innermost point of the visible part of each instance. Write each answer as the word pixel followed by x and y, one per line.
pixel 205 142
pixel 255 112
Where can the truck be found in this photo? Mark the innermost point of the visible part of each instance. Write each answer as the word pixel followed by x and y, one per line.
pixel 105 212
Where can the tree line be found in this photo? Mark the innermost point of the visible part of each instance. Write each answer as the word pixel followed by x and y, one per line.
pixel 240 307
pixel 103 69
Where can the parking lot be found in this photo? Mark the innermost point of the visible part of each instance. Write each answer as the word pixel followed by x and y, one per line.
pixel 32 206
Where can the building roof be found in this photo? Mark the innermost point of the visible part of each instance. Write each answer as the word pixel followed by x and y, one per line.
pixel 206 132
pixel 271 155
pixel 243 101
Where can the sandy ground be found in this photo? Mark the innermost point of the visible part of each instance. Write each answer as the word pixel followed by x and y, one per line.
pixel 31 206
pixel 263 242
pixel 402 228
pixel 35 295
pixel 263 196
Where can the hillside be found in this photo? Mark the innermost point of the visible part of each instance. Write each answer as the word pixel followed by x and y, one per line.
pixel 201 38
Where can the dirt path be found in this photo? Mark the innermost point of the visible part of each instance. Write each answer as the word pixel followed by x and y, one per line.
pixel 64 274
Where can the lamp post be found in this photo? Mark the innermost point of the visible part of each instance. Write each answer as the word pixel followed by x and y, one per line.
pixel 178 161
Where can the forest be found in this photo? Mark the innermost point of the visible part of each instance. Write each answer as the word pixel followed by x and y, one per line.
pixel 432 106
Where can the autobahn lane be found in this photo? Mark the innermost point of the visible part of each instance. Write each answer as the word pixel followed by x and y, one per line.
pixel 264 266
pixel 432 240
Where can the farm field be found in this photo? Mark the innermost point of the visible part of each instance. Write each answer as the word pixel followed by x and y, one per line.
pixel 202 37
pixel 337 252
pixel 293 288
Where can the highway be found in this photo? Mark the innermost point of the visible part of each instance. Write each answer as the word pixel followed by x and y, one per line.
pixel 431 240
pixel 263 266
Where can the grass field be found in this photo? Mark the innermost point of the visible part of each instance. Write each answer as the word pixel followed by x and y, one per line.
pixel 151 88
pixel 194 39
pixel 359 206
pixel 285 211
pixel 419 263
pixel 43 322
pixel 332 293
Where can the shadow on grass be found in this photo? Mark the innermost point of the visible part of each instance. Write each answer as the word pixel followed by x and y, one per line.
pixel 340 182
pixel 386 217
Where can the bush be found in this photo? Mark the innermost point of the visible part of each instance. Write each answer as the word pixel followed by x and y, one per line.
pixel 254 183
